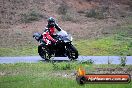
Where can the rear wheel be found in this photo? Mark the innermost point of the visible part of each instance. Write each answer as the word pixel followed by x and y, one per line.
pixel 43 53
pixel 72 52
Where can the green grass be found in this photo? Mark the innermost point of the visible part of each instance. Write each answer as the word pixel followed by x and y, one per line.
pixel 104 46
pixel 41 75
pixel 19 51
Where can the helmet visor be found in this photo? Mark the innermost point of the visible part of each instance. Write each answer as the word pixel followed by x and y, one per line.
pixel 52 24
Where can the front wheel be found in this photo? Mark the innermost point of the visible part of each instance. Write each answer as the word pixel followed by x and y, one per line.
pixel 72 52
pixel 43 54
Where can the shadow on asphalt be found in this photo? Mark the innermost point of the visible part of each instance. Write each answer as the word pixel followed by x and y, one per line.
pixel 56 60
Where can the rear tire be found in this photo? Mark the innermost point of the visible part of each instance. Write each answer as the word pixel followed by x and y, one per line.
pixel 72 52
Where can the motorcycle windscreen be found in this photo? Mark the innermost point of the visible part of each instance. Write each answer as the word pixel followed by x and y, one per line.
pixel 62 33
pixel 70 37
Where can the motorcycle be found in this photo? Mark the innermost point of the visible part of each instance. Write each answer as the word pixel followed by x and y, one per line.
pixel 63 48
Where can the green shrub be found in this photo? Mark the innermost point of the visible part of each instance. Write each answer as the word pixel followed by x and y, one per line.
pixel 91 13
pixel 66 17
pixel 90 61
pixel 62 9
pixel 31 16
pixel 119 37
pixel 123 60
pixel 95 14
pixel 69 17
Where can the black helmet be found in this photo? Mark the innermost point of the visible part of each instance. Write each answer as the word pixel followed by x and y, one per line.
pixel 51 19
pixel 51 22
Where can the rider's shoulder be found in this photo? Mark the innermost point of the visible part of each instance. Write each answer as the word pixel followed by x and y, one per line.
pixel 56 24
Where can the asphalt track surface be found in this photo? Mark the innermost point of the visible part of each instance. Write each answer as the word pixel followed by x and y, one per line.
pixel 36 59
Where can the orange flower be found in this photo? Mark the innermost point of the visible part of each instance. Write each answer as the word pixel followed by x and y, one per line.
pixel 81 71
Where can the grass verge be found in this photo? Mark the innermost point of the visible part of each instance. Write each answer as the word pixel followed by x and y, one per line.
pixel 19 51
pixel 43 75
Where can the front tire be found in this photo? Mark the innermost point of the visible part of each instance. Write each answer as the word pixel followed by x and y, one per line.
pixel 72 52
pixel 43 54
